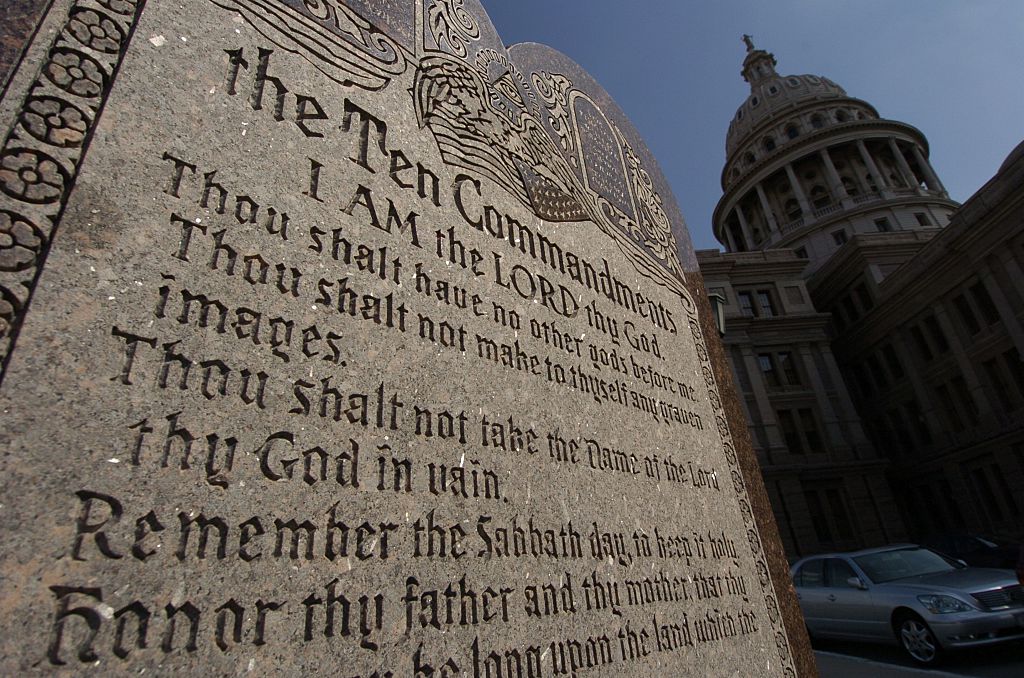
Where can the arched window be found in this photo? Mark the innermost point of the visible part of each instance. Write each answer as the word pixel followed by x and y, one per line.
pixel 842 115
pixel 817 122
pixel 748 158
pixel 820 197
pixel 793 210
pixel 871 182
pixel 792 132
pixel 769 144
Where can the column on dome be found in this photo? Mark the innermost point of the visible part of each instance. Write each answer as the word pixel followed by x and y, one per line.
pixel 729 242
pixel 745 225
pixel 798 190
pixel 930 177
pixel 880 182
pixel 766 209
pixel 904 166
pixel 836 184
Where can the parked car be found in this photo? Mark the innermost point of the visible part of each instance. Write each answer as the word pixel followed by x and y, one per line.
pixel 923 601
pixel 976 550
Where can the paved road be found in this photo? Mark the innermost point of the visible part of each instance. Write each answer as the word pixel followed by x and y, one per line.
pixel 834 659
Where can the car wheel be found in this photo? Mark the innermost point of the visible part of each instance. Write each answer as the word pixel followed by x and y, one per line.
pixel 918 640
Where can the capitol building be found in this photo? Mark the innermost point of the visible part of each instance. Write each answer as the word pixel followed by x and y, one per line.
pixel 874 326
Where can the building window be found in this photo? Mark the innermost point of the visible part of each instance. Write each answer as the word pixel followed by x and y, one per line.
pixel 765 303
pixel 746 300
pixel 922 219
pixel 769 144
pixel 768 371
pixel 839 237
pixel 949 410
pixel 820 197
pixel 875 369
pixel 788 366
pixel 984 303
pixel 892 361
pixel 842 116
pixel 966 313
pixel 848 186
pixel 820 522
pixel 779 369
pixel 937 335
pixel 921 343
pixel 917 421
pixel 789 431
pixel 964 398
pixel 809 426
pixel 998 384
pixel 1016 369
pixel 800 430
pixel 866 302
pixel 792 132
pixel 801 252
pixel 793 211
pixel 817 122
pixel 748 158
pixel 883 225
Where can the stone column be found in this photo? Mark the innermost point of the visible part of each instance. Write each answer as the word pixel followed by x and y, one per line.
pixel 930 177
pixel 745 227
pixel 1003 305
pixel 771 426
pixel 901 162
pixel 926 398
pixel 729 241
pixel 880 182
pixel 799 192
pixel 849 412
pixel 1014 277
pixel 833 431
pixel 838 190
pixel 987 417
pixel 769 216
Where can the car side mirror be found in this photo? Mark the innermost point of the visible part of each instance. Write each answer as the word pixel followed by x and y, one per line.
pixel 855 582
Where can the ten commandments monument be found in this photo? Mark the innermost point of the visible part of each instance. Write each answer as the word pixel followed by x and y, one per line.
pixel 339 339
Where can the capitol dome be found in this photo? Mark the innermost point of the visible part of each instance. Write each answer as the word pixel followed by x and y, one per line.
pixel 808 167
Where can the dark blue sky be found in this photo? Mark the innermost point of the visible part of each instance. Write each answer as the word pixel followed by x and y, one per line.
pixel 952 68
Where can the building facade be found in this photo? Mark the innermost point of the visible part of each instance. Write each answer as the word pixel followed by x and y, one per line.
pixel 875 327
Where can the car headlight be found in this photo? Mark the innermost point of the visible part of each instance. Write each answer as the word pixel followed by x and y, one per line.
pixel 940 604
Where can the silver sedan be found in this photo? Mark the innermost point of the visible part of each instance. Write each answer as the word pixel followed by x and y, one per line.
pixel 910 595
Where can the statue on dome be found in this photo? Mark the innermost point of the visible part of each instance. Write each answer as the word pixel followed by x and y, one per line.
pixel 748 40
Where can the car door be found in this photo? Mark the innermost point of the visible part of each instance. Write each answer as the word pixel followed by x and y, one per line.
pixel 809 580
pixel 851 610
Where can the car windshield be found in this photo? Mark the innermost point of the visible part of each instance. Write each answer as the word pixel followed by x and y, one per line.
pixel 901 564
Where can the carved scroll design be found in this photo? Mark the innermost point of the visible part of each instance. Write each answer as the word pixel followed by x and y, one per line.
pixel 655 230
pixel 452 26
pixel 453 100
pixel 332 37
pixel 41 155
pixel 554 89
pixel 770 597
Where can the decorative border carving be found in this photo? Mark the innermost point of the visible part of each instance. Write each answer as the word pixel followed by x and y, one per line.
pixel 753 538
pixel 42 154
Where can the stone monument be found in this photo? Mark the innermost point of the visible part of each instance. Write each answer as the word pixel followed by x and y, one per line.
pixel 339 339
